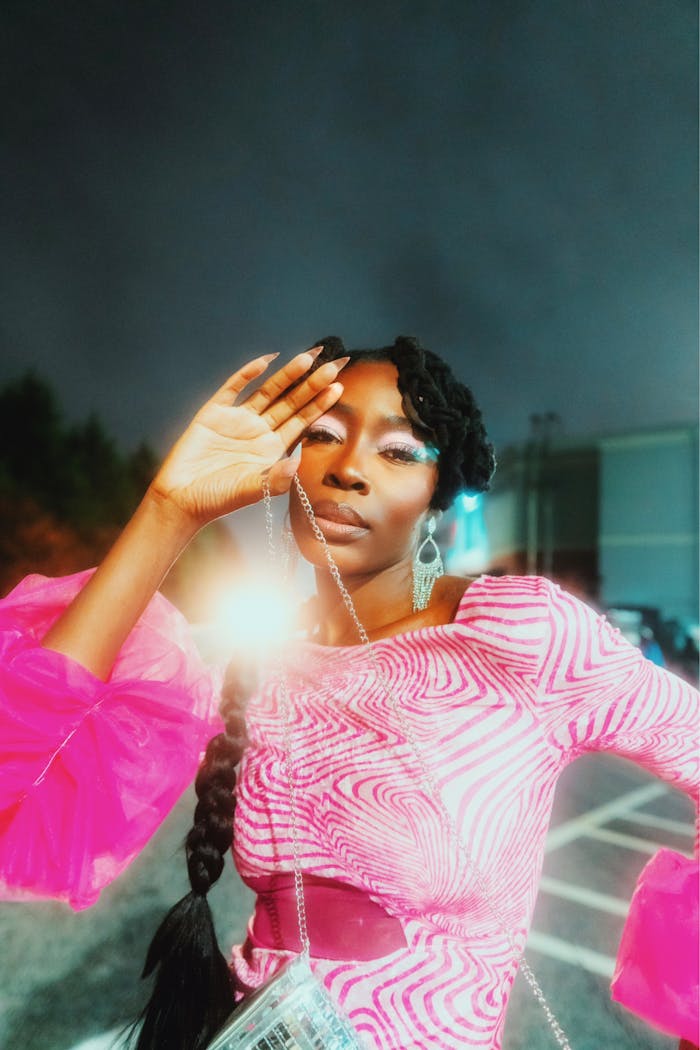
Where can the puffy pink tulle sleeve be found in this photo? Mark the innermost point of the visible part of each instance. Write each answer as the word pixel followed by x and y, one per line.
pixel 89 769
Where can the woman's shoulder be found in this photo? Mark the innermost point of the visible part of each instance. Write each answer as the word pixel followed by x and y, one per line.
pixel 472 594
pixel 502 610
pixel 529 607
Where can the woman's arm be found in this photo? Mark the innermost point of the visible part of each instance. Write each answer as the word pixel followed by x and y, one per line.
pixel 215 468
pixel 103 726
pixel 597 692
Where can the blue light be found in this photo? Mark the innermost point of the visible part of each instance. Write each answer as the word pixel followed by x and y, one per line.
pixel 469 503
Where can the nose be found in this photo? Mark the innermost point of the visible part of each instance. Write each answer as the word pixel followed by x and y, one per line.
pixel 346 471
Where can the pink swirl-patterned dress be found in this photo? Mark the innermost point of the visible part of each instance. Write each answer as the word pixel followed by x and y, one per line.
pixel 523 681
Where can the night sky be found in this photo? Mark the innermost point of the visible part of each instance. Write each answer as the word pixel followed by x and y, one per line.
pixel 183 186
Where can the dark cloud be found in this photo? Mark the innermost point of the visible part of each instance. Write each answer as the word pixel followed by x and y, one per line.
pixel 515 183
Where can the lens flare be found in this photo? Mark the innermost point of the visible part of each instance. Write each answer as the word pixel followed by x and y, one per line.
pixel 252 620
pixel 256 614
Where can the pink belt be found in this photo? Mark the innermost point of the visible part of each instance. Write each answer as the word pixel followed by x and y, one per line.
pixel 343 922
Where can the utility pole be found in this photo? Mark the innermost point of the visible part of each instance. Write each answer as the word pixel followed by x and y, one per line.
pixel 540 499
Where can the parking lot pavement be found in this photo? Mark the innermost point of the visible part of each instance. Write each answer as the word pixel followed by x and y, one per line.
pixel 71 980
pixel 610 817
pixel 66 977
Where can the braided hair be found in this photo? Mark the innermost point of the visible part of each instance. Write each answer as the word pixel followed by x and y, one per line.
pixel 193 991
pixel 440 406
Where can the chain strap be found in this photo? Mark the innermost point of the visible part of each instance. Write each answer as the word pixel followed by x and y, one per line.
pixel 287 744
pixel 426 780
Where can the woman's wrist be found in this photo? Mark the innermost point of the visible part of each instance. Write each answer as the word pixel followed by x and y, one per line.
pixel 172 526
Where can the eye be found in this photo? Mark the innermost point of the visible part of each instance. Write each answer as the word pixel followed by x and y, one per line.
pixel 405 453
pixel 317 434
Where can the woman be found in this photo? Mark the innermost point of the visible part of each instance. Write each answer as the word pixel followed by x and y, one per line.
pixel 499 684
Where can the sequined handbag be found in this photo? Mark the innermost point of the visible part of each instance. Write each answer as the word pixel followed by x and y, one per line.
pixel 293 1011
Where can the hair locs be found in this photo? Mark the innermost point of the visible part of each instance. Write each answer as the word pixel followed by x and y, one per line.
pixel 442 406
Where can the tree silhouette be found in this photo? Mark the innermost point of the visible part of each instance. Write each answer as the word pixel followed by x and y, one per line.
pixel 31 440
pixel 65 490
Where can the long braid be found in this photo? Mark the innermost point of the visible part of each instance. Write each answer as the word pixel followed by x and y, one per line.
pixel 441 405
pixel 193 993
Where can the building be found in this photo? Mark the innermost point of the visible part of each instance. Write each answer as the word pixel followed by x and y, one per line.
pixel 648 537
pixel 615 520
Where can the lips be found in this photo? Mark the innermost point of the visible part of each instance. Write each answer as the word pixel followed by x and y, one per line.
pixel 339 521
pixel 342 513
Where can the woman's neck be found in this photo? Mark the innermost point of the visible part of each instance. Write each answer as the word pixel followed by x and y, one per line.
pixel 381 600
pixel 384 606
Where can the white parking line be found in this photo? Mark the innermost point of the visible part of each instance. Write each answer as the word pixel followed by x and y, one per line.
pixel 573 829
pixel 651 820
pixel 586 958
pixel 582 895
pixel 616 838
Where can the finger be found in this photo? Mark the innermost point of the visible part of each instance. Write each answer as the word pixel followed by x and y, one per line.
pixel 278 383
pixel 291 431
pixel 235 384
pixel 287 406
pixel 280 474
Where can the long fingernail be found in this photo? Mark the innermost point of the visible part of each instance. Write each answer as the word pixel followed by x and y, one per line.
pixel 314 352
pixel 290 465
pixel 270 357
pixel 340 362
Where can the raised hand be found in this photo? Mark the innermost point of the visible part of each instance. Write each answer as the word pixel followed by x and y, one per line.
pixel 217 465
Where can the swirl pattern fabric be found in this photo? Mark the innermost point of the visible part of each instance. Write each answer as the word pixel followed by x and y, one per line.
pixel 522 682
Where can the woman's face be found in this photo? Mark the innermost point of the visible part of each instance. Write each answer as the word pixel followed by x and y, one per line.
pixel 368 475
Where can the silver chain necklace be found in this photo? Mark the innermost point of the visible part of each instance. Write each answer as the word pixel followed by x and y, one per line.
pixel 426 779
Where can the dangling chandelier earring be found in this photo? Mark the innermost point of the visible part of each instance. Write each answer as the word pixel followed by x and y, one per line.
pixel 426 572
